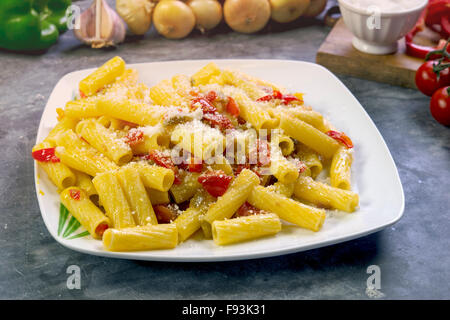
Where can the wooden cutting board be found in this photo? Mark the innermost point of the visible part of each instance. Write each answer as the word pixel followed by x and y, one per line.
pixel 338 55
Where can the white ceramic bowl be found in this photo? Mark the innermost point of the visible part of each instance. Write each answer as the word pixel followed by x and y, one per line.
pixel 376 31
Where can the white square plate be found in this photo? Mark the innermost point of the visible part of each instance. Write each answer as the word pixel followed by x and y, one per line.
pixel 375 175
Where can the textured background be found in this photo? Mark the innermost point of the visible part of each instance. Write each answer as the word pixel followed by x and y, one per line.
pixel 413 254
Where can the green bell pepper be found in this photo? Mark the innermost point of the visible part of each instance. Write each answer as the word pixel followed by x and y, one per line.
pixel 31 25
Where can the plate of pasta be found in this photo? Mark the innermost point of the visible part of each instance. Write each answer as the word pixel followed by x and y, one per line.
pixel 209 161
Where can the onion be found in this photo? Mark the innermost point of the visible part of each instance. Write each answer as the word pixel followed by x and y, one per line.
pixel 315 8
pixel 246 16
pixel 208 13
pixel 173 19
pixel 288 10
pixel 136 13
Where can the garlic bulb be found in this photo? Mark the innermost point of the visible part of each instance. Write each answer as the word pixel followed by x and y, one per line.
pixel 100 26
pixel 136 13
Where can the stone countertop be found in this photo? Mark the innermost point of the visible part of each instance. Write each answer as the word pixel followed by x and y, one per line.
pixel 413 255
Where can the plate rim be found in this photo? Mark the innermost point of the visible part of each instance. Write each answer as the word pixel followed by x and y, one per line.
pixel 226 257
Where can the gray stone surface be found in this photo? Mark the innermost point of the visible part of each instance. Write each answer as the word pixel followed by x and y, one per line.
pixel 413 254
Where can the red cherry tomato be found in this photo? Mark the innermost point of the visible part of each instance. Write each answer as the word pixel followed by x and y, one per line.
pixel 440 106
pixel 426 78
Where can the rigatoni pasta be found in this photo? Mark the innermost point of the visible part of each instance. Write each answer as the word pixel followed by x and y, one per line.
pixel 221 152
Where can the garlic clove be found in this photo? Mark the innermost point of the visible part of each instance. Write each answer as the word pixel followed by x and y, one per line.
pixel 100 26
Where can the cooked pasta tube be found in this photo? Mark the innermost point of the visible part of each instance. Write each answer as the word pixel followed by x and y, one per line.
pixel 136 195
pixel 324 195
pixel 234 197
pixel 150 237
pixel 130 110
pixel 245 228
pixel 309 136
pixel 189 221
pixel 284 170
pixel 164 94
pixel 187 188
pixel 251 89
pixel 105 141
pixel 285 189
pixel 66 123
pixel 284 142
pixel 287 209
pixel 158 197
pixel 84 182
pixel 85 211
pixel 60 174
pixel 82 108
pixel 155 177
pixel 102 76
pixel 154 138
pixel 340 169
pixel 113 200
pixel 204 75
pixel 81 156
pixel 311 159
pixel 252 112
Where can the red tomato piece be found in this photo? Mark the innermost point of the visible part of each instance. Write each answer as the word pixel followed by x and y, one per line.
pixel 75 194
pixel 247 210
pixel 134 137
pixel 215 183
pixel 218 120
pixel 232 107
pixel 45 155
pixel 341 137
pixel 82 95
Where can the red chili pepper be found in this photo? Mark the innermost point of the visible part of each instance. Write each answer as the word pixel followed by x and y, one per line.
pixel 82 95
pixel 341 137
pixel 247 210
pixel 285 98
pixel 215 183
pixel 101 228
pixel 232 107
pixel 192 165
pixel 75 194
pixel 45 155
pixel 134 137
pixel 241 167
pixel 218 120
pixel 211 96
pixel 164 161
pixel 206 106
